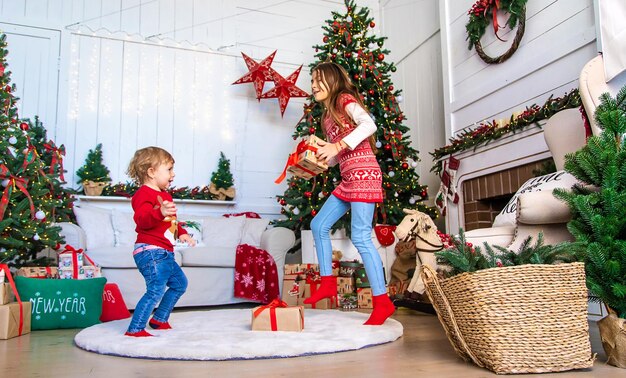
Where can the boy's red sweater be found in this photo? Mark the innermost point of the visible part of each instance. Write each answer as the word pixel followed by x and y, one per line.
pixel 151 224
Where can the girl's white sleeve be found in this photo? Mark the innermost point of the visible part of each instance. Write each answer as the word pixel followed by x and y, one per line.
pixel 365 125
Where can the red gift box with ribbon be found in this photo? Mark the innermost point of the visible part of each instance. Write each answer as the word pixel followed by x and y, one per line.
pixel 14 317
pixel 303 161
pixel 277 316
pixel 72 264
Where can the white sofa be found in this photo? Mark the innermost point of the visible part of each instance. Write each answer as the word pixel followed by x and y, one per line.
pixel 108 235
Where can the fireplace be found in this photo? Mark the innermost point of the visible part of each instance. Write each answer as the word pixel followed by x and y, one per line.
pixel 489 175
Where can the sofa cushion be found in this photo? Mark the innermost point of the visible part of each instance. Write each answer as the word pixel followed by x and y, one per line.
pixel 222 232
pixel 559 179
pixel 223 257
pixel 97 224
pixel 119 257
pixel 124 227
pixel 252 231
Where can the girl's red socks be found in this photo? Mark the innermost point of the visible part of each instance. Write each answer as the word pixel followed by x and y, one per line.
pixel 327 289
pixel 155 324
pixel 383 308
pixel 141 333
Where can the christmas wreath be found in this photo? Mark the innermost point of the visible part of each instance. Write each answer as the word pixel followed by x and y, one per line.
pixel 484 12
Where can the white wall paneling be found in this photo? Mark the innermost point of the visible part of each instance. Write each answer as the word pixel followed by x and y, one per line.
pixel 412 28
pixel 34 64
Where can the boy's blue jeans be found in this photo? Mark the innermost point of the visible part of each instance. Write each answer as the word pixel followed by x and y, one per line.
pixel 361 223
pixel 158 268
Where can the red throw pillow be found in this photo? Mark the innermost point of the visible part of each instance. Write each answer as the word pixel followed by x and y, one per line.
pixel 113 305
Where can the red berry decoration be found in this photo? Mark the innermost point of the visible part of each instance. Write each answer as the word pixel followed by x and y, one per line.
pixel 372 24
pixel 381 56
pixel 313 212
pixel 24 126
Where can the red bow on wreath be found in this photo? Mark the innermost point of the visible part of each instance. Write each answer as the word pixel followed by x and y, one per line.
pixel 483 6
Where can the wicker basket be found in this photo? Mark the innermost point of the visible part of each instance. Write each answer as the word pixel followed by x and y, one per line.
pixel 93 188
pixel 520 319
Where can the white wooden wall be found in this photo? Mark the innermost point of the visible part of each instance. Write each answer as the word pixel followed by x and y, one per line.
pixel 412 28
pixel 559 39
pixel 132 73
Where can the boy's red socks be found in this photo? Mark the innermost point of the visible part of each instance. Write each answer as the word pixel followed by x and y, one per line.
pixel 141 333
pixel 155 324
pixel 383 308
pixel 327 289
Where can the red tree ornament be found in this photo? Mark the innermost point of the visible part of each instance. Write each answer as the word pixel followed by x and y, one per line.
pixel 313 212
pixel 258 73
pixel 24 126
pixel 284 89
pixel 372 24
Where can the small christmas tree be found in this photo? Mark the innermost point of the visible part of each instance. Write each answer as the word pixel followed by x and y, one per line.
pixel 599 207
pixel 222 180
pixel 32 198
pixel 93 174
pixel 347 42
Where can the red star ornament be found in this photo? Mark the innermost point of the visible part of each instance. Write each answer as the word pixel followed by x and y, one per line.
pixel 284 89
pixel 258 73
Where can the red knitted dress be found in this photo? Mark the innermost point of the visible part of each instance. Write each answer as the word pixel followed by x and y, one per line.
pixel 361 177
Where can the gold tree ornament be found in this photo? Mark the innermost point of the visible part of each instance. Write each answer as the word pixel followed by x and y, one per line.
pixel 485 12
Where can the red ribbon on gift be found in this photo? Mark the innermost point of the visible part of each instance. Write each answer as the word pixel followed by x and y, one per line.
pixel 57 157
pixel 7 272
pixel 272 306
pixel 293 160
pixel 18 182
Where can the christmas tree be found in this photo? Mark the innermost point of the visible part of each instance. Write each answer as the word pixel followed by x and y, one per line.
pixel 222 177
pixel 222 180
pixel 31 196
pixel 94 169
pixel 348 42
pixel 599 206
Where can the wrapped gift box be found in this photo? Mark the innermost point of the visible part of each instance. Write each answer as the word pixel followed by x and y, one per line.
pixel 345 285
pixel 364 297
pixel 65 260
pixel 349 268
pixel 307 165
pixel 6 293
pixel 361 279
pixel 293 289
pixel 291 269
pixel 91 271
pixel 1 276
pixel 324 304
pixel 271 318
pixel 10 319
pixel 348 301
pixel 68 273
pixel 38 272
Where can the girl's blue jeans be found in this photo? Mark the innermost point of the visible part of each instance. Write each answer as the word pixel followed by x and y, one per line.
pixel 158 268
pixel 361 223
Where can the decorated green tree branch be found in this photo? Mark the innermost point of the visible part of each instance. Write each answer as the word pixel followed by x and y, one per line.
pixel 222 180
pixel 32 198
pixel 599 206
pixel 94 175
pixel 349 42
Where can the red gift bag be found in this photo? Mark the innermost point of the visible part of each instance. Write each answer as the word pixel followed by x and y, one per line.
pixel 113 305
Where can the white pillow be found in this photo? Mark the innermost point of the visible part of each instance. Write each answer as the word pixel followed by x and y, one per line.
pixel 222 232
pixel 97 224
pixel 560 179
pixel 252 230
pixel 195 233
pixel 124 227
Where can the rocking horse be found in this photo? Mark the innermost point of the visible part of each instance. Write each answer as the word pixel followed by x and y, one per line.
pixel 418 231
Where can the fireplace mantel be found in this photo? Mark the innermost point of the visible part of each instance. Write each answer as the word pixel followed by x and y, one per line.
pixel 508 152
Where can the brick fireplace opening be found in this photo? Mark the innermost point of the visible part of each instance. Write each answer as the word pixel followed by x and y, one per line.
pixel 486 196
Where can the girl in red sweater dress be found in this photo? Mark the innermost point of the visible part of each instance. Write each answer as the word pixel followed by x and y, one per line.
pixel 157 231
pixel 349 130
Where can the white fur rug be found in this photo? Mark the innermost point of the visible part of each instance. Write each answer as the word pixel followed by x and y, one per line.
pixel 226 335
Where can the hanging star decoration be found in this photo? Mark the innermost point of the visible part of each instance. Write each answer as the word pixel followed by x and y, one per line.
pixel 258 73
pixel 284 89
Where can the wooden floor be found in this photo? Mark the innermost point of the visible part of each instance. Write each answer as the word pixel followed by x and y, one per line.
pixel 423 351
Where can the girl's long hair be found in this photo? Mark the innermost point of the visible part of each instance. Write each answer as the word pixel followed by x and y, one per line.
pixel 338 82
